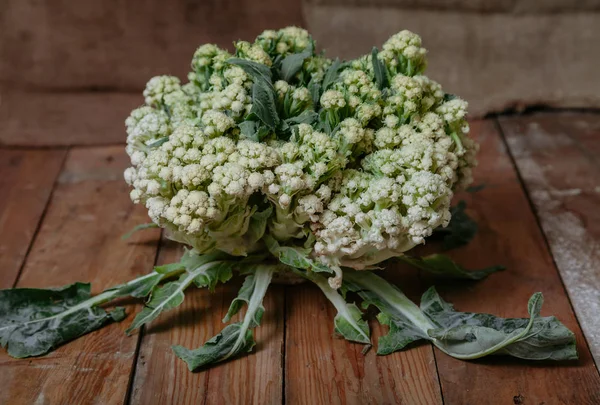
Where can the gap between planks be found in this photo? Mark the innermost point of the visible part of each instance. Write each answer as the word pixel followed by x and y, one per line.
pixel 556 158
pixel 21 223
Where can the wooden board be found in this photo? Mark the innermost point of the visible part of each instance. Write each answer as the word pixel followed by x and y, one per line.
pixel 26 181
pixel 69 118
pixel 509 235
pixel 297 360
pixel 162 378
pixel 557 156
pixel 324 369
pixel 79 240
pixel 119 46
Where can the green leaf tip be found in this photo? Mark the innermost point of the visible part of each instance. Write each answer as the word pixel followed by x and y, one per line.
pixel 379 70
pixel 235 338
pixel 137 228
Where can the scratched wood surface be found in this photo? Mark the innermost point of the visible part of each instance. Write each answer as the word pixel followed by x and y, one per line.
pixel 558 156
pixel 72 232
pixel 26 181
pixel 508 235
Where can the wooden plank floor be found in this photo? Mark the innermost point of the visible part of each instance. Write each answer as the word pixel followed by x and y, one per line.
pixel 62 213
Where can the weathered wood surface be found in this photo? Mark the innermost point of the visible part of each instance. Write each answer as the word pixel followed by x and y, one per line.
pixel 558 158
pixel 162 378
pixel 26 181
pixel 297 360
pixel 509 235
pixel 79 240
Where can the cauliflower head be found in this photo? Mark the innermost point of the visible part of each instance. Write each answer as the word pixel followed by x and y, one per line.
pixel 349 162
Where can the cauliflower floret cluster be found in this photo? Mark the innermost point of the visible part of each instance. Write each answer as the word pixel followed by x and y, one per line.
pixel 353 161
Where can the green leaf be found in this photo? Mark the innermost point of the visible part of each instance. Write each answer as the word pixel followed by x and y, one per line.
pixel 351 325
pixel 468 335
pixel 244 296
pixel 400 335
pixel 401 315
pixel 142 286
pixel 248 130
pixel 461 229
pixel 137 228
pixel 158 142
pixel 263 94
pixel 449 97
pixel 331 75
pixel 263 105
pixel 315 91
pixel 462 335
pixel 476 188
pixel 444 266
pixel 257 71
pixel 348 322
pixel 258 225
pixel 379 70
pixel 163 298
pixel 171 294
pixel 216 348
pixel 219 272
pixel 34 321
pixel 306 117
pixel 295 257
pixel 293 63
pixel 169 268
pixel 236 338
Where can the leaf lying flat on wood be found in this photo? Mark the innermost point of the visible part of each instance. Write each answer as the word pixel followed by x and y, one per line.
pixel 34 321
pixel 463 335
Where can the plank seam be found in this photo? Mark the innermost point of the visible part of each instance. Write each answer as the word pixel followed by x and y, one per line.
pixel 42 217
pixel 136 354
pixel 284 344
pixel 538 222
pixel 433 351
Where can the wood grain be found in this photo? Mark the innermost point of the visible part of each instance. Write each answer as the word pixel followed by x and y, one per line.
pixel 162 378
pixel 557 156
pixel 65 118
pixel 79 240
pixel 324 369
pixel 26 181
pixel 116 45
pixel 508 234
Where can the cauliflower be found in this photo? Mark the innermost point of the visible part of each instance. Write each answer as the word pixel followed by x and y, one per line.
pixel 275 159
pixel 359 174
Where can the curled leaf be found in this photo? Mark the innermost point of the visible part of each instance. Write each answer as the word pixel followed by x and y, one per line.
pixel 236 338
pixel 463 335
